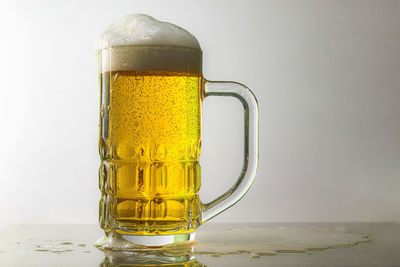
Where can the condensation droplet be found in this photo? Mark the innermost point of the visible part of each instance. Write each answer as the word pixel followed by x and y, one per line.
pixel 116 76
pixel 102 110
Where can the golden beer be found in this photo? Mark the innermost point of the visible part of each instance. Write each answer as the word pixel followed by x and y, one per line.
pixel 150 141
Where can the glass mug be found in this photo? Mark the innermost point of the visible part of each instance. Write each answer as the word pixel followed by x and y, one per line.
pixel 152 90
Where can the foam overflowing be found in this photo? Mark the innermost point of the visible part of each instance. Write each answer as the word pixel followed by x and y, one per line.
pixel 140 29
pixel 141 43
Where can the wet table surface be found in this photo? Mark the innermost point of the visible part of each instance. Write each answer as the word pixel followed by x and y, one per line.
pixel 278 244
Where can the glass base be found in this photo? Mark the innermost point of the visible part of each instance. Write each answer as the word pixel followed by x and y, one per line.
pixel 158 240
pixel 115 241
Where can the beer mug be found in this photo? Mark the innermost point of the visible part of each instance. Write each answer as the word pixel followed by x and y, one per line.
pixel 152 90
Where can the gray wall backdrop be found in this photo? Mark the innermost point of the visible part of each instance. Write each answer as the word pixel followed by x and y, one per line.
pixel 326 74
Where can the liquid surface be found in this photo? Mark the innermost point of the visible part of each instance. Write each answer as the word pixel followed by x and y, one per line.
pixel 150 141
pixel 325 244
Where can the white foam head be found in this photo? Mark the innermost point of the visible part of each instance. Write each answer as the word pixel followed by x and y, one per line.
pixel 140 29
pixel 142 43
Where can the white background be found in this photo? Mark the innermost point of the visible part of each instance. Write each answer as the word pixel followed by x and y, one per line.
pixel 326 74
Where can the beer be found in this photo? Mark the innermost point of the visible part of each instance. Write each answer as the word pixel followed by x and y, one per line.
pixel 150 141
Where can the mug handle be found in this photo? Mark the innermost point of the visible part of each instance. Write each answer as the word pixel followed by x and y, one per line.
pixel 250 163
